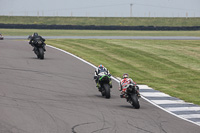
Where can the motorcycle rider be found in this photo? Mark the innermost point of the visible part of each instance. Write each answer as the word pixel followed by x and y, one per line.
pixel 33 40
pixel 98 70
pixel 124 81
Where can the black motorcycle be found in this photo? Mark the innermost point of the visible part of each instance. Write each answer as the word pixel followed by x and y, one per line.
pixel 104 84
pixel 39 48
pixel 132 95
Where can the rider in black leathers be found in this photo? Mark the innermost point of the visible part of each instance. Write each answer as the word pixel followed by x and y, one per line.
pixel 32 40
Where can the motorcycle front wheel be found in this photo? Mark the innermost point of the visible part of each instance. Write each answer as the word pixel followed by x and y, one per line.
pixel 41 53
pixel 135 101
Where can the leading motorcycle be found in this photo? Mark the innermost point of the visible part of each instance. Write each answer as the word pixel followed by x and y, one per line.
pixel 39 48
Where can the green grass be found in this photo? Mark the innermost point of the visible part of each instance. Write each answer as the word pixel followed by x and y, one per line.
pixel 123 21
pixel 26 32
pixel 171 66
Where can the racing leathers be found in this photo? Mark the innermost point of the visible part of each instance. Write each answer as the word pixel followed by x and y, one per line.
pixel 33 40
pixel 122 86
pixel 97 76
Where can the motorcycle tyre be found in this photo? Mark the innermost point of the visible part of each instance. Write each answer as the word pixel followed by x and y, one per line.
pixel 103 93
pixel 41 53
pixel 135 101
pixel 107 91
pixel 36 51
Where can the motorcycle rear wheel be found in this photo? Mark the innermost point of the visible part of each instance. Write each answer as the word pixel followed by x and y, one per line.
pixel 107 91
pixel 103 93
pixel 135 101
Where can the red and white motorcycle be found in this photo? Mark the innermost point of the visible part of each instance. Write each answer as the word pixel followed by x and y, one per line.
pixel 130 91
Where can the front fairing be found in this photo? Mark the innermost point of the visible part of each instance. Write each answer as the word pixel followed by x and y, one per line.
pixel 104 78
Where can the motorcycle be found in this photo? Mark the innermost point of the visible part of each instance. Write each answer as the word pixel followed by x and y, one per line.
pixel 131 93
pixel 39 48
pixel 105 84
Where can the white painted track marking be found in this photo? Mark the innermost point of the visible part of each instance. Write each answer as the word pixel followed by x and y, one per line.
pixel 168 101
pixel 155 94
pixel 184 108
pixel 191 116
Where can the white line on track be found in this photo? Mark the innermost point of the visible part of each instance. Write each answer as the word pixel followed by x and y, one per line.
pixel 141 87
pixel 145 87
pixel 190 116
pixel 154 94
pixel 184 108
pixel 168 101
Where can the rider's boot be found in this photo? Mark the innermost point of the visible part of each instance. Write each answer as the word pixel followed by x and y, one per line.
pixel 138 93
pixel 98 85
pixel 34 48
pixel 110 83
pixel 44 46
pixel 122 95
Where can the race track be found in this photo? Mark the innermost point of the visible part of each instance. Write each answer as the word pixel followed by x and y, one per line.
pixel 58 95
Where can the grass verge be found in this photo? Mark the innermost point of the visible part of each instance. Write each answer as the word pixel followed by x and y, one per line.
pixel 26 32
pixel 170 66
pixel 120 21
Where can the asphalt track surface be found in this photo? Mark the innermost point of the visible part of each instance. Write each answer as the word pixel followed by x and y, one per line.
pixel 112 37
pixel 58 95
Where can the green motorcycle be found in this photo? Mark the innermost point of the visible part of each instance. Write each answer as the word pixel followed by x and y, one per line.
pixel 104 83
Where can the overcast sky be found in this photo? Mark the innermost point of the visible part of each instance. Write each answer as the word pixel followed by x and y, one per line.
pixel 101 8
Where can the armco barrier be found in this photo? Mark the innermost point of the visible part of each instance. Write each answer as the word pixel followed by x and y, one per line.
pixel 94 27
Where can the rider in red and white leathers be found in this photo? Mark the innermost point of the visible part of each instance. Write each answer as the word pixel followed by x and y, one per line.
pixel 122 86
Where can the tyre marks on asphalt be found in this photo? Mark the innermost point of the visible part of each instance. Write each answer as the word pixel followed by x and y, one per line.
pixel 177 107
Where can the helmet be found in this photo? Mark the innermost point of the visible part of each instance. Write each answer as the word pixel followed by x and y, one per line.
pixel 100 66
pixel 35 34
pixel 125 75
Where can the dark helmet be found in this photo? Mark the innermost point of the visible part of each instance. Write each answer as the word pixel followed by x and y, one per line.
pixel 125 75
pixel 35 34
